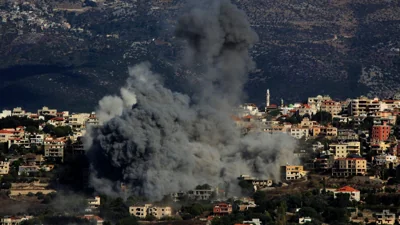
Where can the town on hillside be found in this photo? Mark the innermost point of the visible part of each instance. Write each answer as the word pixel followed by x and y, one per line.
pixel 348 170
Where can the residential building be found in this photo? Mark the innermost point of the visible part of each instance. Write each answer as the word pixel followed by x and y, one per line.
pixel 4 167
pixel 33 160
pixel 385 217
pixel 363 106
pixel 345 167
pixel 5 113
pixel 354 193
pixel 94 203
pixel 18 111
pixel 324 163
pixel 28 170
pixel 306 110
pixel 149 209
pixel 385 159
pixel 36 139
pixel 21 142
pixel 201 194
pixel 54 149
pixel 14 220
pixel 77 121
pixel 299 132
pixel 11 133
pixel 92 120
pixel 45 111
pixel 222 209
pixel 57 121
pixel 5 135
pixel 380 147
pixel 306 122
pixel 290 172
pixel 96 219
pixel 318 100
pixel 332 107
pixel 257 183
pixel 342 150
pixel 380 132
pixel 347 135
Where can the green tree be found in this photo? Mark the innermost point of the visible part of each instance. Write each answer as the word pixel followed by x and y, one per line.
pixel 281 214
pixel 32 129
pixel 274 112
pixel 322 117
pixel 131 220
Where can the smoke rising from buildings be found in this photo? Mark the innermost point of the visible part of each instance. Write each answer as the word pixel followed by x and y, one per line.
pixel 157 141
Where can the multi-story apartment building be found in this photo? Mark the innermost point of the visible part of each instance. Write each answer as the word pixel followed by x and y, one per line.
pixel 380 132
pixel 222 209
pixel 36 139
pixel 293 172
pixel 331 107
pixel 78 121
pixel 363 106
pixel 345 167
pixel 299 132
pixel 347 135
pixel 149 209
pixel 4 167
pixel 201 194
pixel 45 111
pixel 54 149
pixel 11 133
pixel 92 120
pixel 342 150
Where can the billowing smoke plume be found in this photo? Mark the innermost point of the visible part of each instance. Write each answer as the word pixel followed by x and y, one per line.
pixel 158 141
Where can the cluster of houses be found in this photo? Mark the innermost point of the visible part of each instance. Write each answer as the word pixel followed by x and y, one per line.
pixel 344 153
pixel 55 149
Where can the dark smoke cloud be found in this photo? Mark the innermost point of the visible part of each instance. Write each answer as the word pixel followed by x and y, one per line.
pixel 158 141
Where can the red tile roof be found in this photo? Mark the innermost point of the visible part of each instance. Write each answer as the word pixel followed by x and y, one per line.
pixel 6 132
pixel 347 189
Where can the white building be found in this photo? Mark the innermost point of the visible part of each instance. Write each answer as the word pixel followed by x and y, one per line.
pixel 303 220
pixel 5 113
pixel 383 159
pixel 354 193
pixel 253 221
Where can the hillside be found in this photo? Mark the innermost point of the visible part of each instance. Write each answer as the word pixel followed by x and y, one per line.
pixel 68 54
